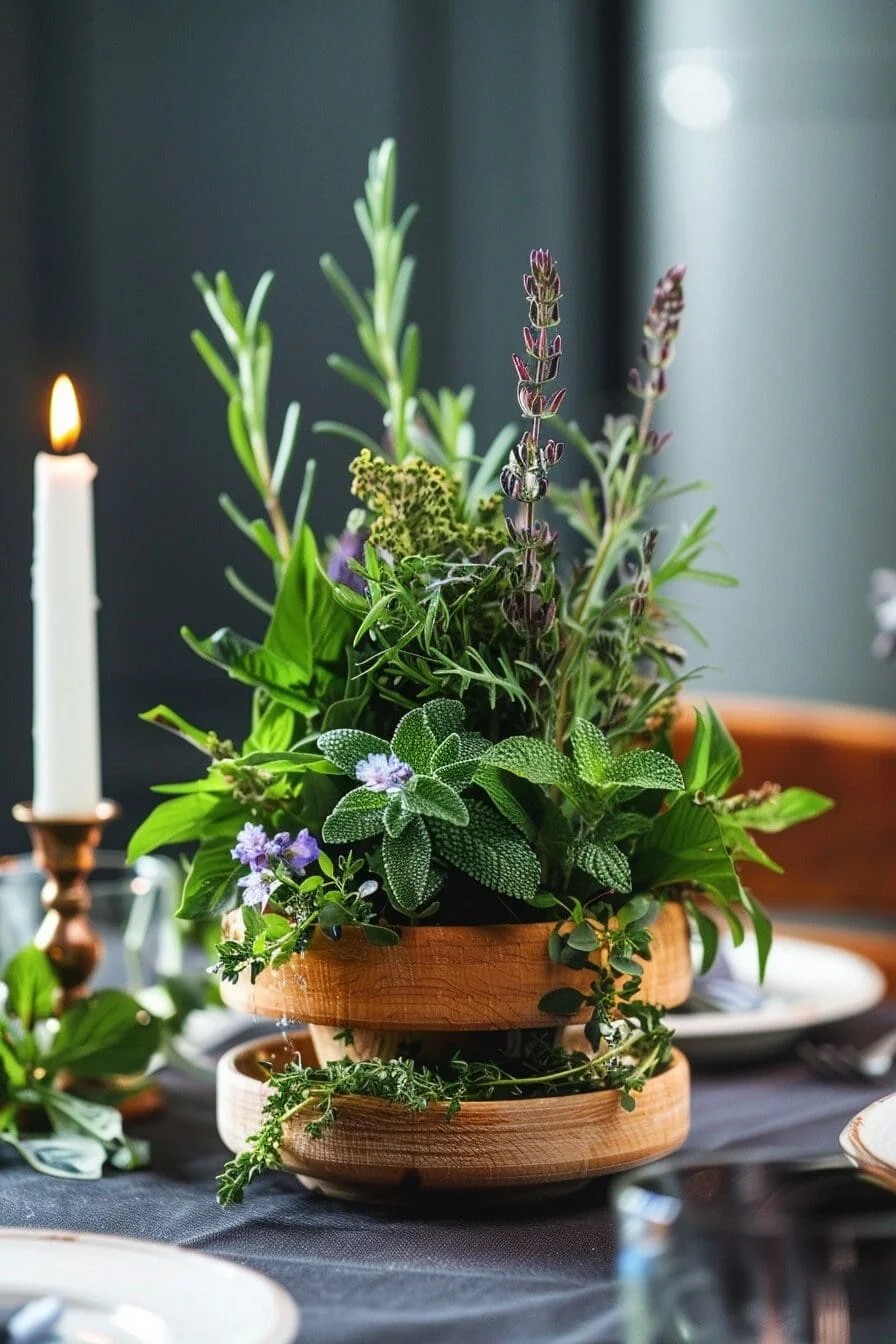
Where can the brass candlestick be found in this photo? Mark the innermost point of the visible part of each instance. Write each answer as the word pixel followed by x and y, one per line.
pixel 64 848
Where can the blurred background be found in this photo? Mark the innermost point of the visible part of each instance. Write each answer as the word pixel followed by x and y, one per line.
pixel 753 141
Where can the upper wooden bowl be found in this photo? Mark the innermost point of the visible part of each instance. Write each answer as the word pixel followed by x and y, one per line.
pixel 377 1146
pixel 444 977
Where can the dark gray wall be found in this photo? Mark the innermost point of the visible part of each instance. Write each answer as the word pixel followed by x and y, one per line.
pixel 140 142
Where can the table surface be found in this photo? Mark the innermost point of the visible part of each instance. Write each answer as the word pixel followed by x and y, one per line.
pixel 541 1274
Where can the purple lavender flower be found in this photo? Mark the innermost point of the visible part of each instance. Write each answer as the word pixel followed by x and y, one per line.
pixel 298 852
pixel 383 774
pixel 258 887
pixel 252 846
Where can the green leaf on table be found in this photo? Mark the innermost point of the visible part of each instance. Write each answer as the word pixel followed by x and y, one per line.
pixel 72 1156
pixel 166 718
pixel 606 862
pixel 31 985
pixel 591 751
pixel 70 1114
pixel 192 816
pixel 432 798
pixel 253 665
pixel 645 770
pixel 713 762
pixel 358 815
pixel 107 1033
pixel 407 859
pixel 347 747
pixel 210 884
pixel 787 808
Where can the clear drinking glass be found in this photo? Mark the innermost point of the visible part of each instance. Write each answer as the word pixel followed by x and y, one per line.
pixel 756 1250
pixel 133 911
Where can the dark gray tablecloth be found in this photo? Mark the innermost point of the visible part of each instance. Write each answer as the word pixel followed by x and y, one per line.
pixel 542 1274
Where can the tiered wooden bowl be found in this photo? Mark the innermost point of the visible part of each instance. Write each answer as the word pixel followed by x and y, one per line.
pixel 435 990
pixel 379 1151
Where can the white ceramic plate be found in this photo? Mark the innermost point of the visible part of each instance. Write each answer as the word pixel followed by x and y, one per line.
pixel 869 1140
pixel 117 1291
pixel 807 985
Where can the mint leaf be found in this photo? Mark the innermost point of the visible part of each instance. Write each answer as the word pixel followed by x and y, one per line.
pixel 414 741
pixel 488 852
pixel 32 985
pixel 357 816
pixel 406 858
pixel 346 747
pixel 536 761
pixel 645 770
pixel 606 862
pixel 591 750
pixel 432 798
pixel 492 782
pixel 444 717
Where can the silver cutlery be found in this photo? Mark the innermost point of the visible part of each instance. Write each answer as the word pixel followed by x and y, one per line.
pixel 848 1061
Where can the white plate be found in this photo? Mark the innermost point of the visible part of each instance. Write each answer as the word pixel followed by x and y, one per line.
pixel 807 985
pixel 118 1291
pixel 869 1140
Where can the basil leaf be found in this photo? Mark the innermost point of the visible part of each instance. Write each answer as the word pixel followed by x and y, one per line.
pixel 107 1033
pixel 31 984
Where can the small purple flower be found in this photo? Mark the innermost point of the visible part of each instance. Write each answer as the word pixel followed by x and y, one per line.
pixel 251 846
pixel 383 774
pixel 258 887
pixel 350 546
pixel 298 853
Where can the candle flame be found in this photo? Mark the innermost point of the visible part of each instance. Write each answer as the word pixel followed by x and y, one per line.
pixel 65 418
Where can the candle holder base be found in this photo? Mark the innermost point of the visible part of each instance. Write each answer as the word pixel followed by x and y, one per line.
pixel 64 848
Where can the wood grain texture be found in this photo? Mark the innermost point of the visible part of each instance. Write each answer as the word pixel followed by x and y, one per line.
pixel 376 1144
pixel 443 978
pixel 844 861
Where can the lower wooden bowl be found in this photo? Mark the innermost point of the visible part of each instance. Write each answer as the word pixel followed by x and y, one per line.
pixel 520 1148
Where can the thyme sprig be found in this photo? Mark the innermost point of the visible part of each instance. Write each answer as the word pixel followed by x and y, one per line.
pixel 641 1048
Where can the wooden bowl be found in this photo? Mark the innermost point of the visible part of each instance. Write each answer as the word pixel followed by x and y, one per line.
pixel 443 977
pixel 380 1150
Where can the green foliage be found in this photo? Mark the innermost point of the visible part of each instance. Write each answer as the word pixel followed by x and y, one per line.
pixel 424 817
pixel 331 899
pixel 108 1033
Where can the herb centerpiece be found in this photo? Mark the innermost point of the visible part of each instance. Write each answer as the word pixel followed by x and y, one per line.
pixel 456 824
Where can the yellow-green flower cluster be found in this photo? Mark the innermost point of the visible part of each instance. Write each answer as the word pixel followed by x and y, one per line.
pixel 416 509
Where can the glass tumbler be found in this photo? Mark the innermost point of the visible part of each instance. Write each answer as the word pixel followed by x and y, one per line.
pixel 755 1250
